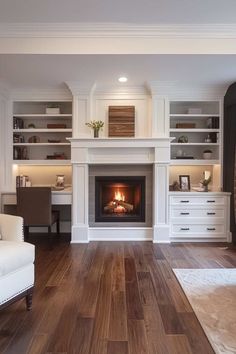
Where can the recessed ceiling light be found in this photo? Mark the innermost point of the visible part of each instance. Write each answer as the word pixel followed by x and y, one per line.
pixel 122 79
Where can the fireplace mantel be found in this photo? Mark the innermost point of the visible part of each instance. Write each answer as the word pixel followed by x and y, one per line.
pixel 120 151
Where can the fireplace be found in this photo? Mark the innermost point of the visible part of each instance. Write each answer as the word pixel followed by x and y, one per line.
pixel 120 199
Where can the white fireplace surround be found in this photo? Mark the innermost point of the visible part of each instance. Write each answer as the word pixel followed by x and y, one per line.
pixel 120 151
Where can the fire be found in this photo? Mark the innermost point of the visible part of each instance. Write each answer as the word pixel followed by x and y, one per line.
pixel 119 196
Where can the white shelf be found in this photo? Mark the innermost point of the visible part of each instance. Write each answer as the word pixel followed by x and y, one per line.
pixel 193 144
pixel 194 130
pixel 193 115
pixel 40 144
pixel 46 130
pixel 42 162
pixel 40 115
pixel 37 152
pixel 190 162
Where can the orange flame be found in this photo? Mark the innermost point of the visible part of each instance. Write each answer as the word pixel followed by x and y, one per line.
pixel 119 196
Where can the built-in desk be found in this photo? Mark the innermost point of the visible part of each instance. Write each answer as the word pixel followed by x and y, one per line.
pixel 63 197
pixel 61 200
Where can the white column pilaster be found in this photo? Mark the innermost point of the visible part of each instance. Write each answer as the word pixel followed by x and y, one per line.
pixel 80 204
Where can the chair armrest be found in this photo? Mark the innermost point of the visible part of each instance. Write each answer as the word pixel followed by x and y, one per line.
pixel 11 228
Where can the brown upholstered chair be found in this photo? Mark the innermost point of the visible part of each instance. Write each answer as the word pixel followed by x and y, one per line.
pixel 35 206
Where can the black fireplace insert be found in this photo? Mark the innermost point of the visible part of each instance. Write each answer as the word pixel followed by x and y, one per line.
pixel 120 199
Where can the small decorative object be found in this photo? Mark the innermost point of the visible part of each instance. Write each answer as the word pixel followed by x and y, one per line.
pixel 55 141
pixel 60 182
pixel 179 153
pixel 57 156
pixel 208 139
pixel 31 126
pixel 183 139
pixel 175 186
pixel 53 109
pixel 206 180
pixel 34 139
pixel 121 121
pixel 207 154
pixel 194 110
pixel 96 125
pixel 56 126
pixel 18 138
pixel 184 181
pixel 185 125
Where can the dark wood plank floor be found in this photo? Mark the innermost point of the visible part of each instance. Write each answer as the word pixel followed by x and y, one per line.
pixel 111 298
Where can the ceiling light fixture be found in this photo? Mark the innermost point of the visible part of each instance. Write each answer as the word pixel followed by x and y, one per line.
pixel 122 79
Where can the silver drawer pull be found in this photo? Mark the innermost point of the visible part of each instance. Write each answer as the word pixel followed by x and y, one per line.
pixel 210 228
pixel 184 213
pixel 211 201
pixel 211 213
pixel 184 201
pixel 184 228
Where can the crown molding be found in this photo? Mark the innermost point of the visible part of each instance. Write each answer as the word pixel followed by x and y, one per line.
pixel 94 89
pixel 176 90
pixel 75 38
pixel 116 30
pixel 47 94
pixel 138 90
pixel 79 88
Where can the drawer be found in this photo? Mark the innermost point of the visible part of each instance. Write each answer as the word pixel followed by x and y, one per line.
pixel 197 213
pixel 206 229
pixel 192 200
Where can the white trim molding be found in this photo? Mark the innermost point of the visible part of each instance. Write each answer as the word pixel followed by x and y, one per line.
pixel 113 38
pixel 117 30
pixel 47 94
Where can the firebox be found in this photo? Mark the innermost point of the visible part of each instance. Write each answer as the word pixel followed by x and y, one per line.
pixel 120 199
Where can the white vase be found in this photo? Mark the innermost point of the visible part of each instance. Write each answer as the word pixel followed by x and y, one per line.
pixel 207 155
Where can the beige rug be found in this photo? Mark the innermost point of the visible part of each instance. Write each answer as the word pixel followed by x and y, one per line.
pixel 212 294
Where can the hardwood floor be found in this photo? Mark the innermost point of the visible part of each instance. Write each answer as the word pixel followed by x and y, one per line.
pixel 111 298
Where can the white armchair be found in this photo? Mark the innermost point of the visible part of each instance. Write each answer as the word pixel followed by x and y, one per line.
pixel 16 262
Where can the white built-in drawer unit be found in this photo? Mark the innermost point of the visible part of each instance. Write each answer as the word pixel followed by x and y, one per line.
pixel 199 216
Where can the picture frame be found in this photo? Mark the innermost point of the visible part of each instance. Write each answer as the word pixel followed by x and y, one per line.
pixel 184 181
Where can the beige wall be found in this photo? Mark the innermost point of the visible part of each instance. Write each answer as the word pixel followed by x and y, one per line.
pixel 45 175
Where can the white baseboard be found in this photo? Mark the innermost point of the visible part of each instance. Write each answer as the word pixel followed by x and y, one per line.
pixel 120 234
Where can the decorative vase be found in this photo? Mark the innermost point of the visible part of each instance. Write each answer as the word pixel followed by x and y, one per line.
pixel 207 155
pixel 96 133
pixel 206 188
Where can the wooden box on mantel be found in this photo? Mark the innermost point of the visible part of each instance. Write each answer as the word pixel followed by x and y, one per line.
pixel 121 121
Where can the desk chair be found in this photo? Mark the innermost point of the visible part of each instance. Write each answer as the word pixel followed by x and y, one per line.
pixel 35 206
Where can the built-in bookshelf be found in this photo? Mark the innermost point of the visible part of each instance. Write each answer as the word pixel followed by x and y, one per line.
pixel 40 129
pixel 196 129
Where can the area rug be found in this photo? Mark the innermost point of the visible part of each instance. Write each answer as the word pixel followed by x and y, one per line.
pixel 212 295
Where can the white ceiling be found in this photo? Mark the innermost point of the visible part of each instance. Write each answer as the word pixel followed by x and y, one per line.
pixel 129 11
pixel 53 70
